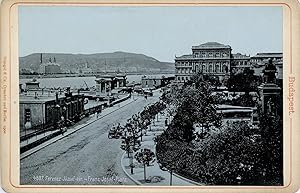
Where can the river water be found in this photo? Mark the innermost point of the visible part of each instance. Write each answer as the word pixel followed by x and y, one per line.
pixel 81 82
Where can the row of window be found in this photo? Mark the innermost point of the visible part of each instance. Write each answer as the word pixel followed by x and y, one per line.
pixel 183 79
pixel 261 59
pixel 241 63
pixel 204 68
pixel 183 64
pixel 186 63
pixel 210 54
pixel 210 68
pixel 184 71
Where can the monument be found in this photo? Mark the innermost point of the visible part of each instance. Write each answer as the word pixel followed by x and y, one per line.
pixel 269 91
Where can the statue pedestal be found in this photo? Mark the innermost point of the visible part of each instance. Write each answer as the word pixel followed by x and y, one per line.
pixel 269 92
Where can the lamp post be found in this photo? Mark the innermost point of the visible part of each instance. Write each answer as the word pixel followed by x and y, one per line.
pixel 40 122
pixel 171 176
pixel 65 112
pixel 57 107
pixel 163 168
pixel 131 160
pixel 27 126
pixel 97 108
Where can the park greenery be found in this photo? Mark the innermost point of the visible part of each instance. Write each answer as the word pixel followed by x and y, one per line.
pixel 231 153
pixel 132 133
pixel 145 156
pixel 244 81
pixel 226 154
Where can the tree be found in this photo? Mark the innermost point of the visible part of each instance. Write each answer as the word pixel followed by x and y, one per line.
pixel 244 82
pixel 233 156
pixel 272 152
pixel 170 154
pixel 213 80
pixel 129 144
pixel 145 156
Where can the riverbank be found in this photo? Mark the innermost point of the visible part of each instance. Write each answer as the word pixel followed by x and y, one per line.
pixel 64 75
pixel 79 82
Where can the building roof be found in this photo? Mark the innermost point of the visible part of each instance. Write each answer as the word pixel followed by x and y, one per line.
pixel 268 55
pixel 51 64
pixel 151 78
pixel 240 56
pixel 32 82
pixel 98 80
pixel 188 56
pixel 39 99
pixel 111 75
pixel 231 108
pixel 158 77
pixel 211 45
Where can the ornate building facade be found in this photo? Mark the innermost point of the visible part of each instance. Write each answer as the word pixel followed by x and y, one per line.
pixel 261 59
pixel 213 58
pixel 210 58
pixel 239 62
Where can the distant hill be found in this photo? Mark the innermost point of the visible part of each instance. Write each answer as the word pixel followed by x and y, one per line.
pixel 122 61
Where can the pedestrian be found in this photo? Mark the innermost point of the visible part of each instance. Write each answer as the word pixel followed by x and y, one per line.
pixel 166 122
pixel 61 130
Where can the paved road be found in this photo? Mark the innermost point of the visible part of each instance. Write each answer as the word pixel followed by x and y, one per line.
pixel 85 157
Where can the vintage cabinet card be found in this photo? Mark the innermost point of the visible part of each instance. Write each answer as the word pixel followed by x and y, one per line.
pixel 149 96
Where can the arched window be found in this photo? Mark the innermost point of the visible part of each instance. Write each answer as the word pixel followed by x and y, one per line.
pixel 196 68
pixel 225 68
pixel 217 68
pixel 203 68
pixel 210 68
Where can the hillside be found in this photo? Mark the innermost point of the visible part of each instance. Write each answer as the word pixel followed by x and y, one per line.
pixel 122 61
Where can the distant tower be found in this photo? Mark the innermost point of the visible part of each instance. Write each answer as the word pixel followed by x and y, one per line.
pixel 269 91
pixel 41 58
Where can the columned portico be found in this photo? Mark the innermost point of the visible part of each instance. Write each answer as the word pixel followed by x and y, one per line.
pixel 108 82
pixel 102 86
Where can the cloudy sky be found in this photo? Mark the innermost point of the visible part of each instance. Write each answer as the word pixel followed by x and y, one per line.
pixel 160 32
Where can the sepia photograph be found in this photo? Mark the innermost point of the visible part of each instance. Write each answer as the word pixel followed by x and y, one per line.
pixel 151 95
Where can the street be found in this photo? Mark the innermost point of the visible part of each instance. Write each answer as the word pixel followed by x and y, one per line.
pixel 85 157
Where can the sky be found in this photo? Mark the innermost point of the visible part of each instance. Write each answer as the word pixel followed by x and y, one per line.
pixel 159 32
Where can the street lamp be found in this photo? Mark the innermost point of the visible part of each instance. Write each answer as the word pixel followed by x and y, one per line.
pixel 57 107
pixel 163 168
pixel 65 110
pixel 57 111
pixel 40 122
pixel 27 126
pixel 131 165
